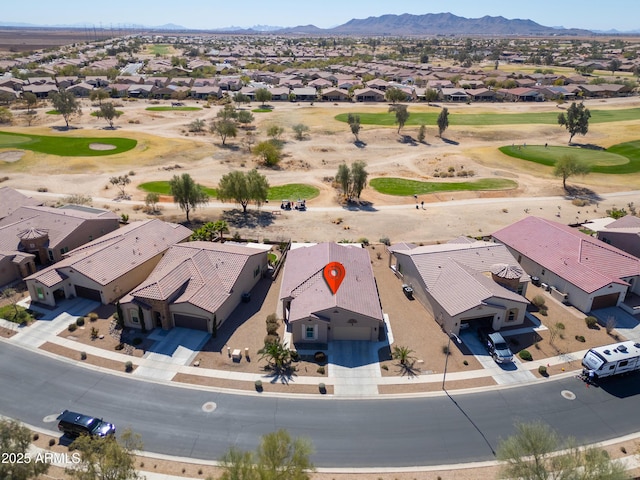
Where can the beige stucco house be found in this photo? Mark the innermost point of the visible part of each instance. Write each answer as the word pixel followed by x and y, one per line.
pixel 195 285
pixel 107 268
pixel 464 283
pixel 313 313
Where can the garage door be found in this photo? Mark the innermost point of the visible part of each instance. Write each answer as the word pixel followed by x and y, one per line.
pixel 187 321
pixel 351 333
pixel 89 293
pixel 604 301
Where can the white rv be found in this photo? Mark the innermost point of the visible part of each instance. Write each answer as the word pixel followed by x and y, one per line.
pixel 623 357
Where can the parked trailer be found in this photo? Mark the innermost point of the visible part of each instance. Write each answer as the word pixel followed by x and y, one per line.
pixel 614 359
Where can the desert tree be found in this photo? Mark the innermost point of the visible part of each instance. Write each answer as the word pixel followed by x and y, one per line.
pixel 188 194
pixel 6 117
pixel 225 128
pixel 15 443
pixel 263 95
pixel 300 130
pixel 536 452
pixel 121 182
pixel 614 65
pixel 403 354
pixel 107 458
pixel 402 114
pixel 98 95
pixel 241 98
pixel 354 124
pixel 108 112
pixel 197 126
pixel 569 166
pixel 228 112
pixel 269 152
pixel 343 178
pixel 275 131
pixel 394 95
pixel 243 188
pixel 422 133
pixel 431 95
pixel 31 100
pixel 66 104
pixel 151 202
pixel 443 121
pixel 359 176
pixel 576 120
pixel 245 117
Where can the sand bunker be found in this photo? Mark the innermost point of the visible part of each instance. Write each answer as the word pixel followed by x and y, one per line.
pixel 102 146
pixel 11 155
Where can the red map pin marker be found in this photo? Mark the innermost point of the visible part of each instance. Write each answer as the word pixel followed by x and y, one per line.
pixel 334 274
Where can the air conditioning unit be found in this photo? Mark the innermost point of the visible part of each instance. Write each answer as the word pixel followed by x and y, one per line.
pixel 545 286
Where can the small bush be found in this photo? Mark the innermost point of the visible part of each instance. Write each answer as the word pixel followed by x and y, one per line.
pixel 525 355
pixel 580 338
pixel 119 346
pixel 465 363
pixel 364 241
pixel 384 367
pixel 538 301
pixel 591 321
pixel 271 339
pixel 52 442
pixel 93 316
pixel 320 370
pixel 258 385
pixel 385 241
pixel 43 189
pixel 320 356
pixel 445 350
pixel 128 366
pixel 560 326
pixel 36 437
pixel 80 321
pixel 94 333
pixel 322 387
pixel 542 370
pixel 72 327
pixel 83 355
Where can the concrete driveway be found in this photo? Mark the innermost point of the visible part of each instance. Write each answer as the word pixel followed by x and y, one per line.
pixel 354 367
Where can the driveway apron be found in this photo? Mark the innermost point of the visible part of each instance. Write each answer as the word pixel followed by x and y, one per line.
pixel 354 367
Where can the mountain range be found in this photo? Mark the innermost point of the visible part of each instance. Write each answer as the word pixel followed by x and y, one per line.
pixel 385 25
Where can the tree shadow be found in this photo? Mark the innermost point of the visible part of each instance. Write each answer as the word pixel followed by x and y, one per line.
pixel 408 140
pixel 359 205
pixel 250 219
pixel 588 146
pixel 230 146
pixel 64 128
pixel 360 144
pixel 583 192
pixel 407 369
pixel 282 374
pixel 449 141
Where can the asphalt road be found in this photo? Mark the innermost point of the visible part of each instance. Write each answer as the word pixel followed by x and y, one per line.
pixel 345 433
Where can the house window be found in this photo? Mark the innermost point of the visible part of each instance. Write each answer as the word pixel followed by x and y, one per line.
pixel 623 363
pixel 90 237
pixel 519 258
pixel 134 316
pixel 50 254
pixel 310 332
pixel 511 316
pixel 64 250
pixel 256 272
pixel 543 272
pixel 40 293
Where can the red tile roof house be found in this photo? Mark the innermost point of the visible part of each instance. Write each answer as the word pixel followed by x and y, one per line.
pixel 107 268
pixel 585 272
pixel 464 283
pixel 194 285
pixel 313 314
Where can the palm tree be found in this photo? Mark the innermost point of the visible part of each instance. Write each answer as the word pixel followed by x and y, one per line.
pixel 276 354
pixel 221 227
pixel 403 354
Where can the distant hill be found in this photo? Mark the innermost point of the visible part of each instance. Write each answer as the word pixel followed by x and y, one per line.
pixel 437 24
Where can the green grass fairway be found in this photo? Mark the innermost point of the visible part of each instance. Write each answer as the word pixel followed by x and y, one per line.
pixel 65 146
pixel 52 112
pixel 489 119
pixel 173 109
pixel 618 159
pixel 404 188
pixel 263 110
pixel 159 49
pixel 292 191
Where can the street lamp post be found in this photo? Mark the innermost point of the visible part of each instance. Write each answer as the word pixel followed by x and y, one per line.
pixel 446 361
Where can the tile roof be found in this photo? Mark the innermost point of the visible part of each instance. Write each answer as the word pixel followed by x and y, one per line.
pixel 303 280
pixel 201 273
pixel 584 261
pixel 454 273
pixel 11 200
pixel 116 253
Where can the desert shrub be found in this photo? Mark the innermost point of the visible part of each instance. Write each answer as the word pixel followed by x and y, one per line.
pixel 83 355
pixel 320 357
pixel 384 367
pixel 465 363
pixel 560 326
pixel 128 366
pixel 272 325
pixel 580 338
pixel 52 442
pixel 364 241
pixel 385 241
pixel 591 321
pixel 72 327
pixel 271 339
pixel 320 370
pixel 542 370
pixel 451 169
pixel 36 437
pixel 80 321
pixel 43 189
pixel 322 387
pixel 580 202
pixel 295 356
pixel 525 355
pixel 93 316
pixel 94 333
pixel 538 301
pixel 445 350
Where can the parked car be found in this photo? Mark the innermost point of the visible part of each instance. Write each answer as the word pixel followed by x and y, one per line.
pixel 496 345
pixel 74 424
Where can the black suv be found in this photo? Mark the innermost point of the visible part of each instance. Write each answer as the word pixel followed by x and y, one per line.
pixel 496 345
pixel 74 424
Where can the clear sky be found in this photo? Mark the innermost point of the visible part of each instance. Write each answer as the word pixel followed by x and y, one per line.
pixel 210 14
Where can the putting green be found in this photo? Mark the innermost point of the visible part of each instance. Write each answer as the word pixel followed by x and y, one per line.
pixel 67 146
pixel 403 187
pixel 619 159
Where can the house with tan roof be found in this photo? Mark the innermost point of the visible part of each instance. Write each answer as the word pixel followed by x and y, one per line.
pixel 11 200
pixel 313 313
pixel 623 233
pixel 195 285
pixel 584 271
pixel 464 283
pixel 108 267
pixel 49 233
